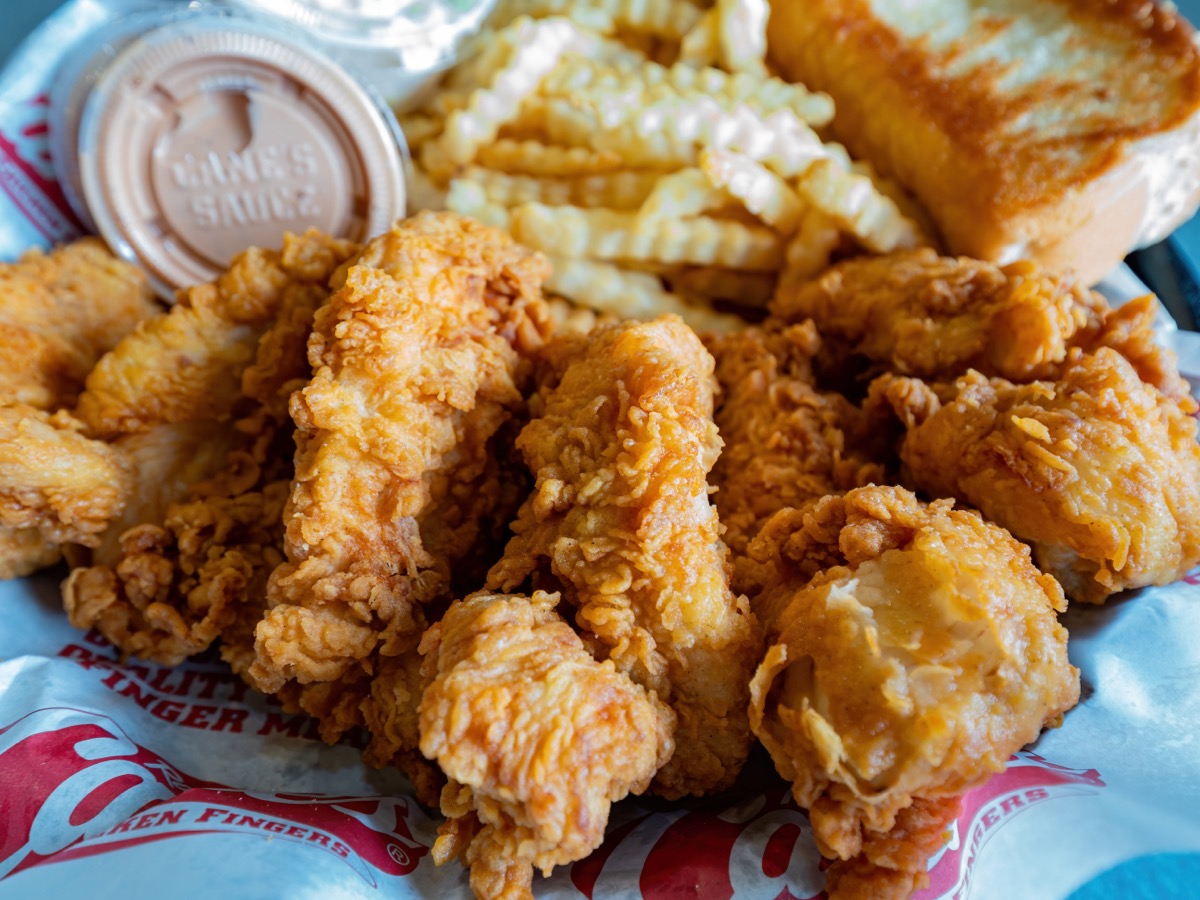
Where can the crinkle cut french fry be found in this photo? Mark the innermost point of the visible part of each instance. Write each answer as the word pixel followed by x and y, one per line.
pixel 742 35
pixel 629 295
pixel 904 201
pixel 649 81
pixel 662 18
pixel 618 190
pixel 469 199
pixel 808 253
pixel 680 195
pixel 572 123
pixel 529 123
pixel 856 205
pixel 701 47
pixel 572 318
pixel 548 160
pixel 606 288
pixel 419 128
pixel 445 103
pixel 429 159
pixel 582 12
pixel 539 45
pixel 669 133
pixel 476 70
pixel 704 319
pixel 761 191
pixel 611 235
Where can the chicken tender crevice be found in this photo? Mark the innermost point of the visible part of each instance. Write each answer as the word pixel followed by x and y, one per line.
pixel 786 442
pixel 934 317
pixel 620 521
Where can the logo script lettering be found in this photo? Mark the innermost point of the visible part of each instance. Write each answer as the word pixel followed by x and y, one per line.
pixel 73 785
pixel 84 775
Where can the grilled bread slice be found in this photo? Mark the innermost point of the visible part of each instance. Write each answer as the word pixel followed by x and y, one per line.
pixel 1063 130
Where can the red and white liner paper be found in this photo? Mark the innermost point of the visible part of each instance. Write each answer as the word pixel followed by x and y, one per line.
pixel 135 779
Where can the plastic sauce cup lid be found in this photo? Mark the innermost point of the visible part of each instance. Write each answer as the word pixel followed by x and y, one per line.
pixel 214 134
pixel 74 80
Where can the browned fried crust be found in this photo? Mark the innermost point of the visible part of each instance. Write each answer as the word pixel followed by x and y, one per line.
pixel 416 368
pixel 1097 470
pixel 620 444
pixel 183 573
pixel 59 313
pixel 914 649
pixel 56 487
pixel 785 441
pixel 538 739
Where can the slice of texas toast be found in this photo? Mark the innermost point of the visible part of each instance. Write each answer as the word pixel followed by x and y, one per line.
pixel 1065 130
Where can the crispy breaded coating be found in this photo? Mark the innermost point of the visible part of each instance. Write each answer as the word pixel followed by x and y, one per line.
pixel 416 367
pixel 893 865
pixel 1096 470
pixel 914 649
pixel 187 366
pixel 935 317
pixel 197 400
pixel 1131 330
pixel 537 738
pixel 59 313
pixel 56 487
pixel 785 441
pixel 23 551
pixel 917 313
pixel 621 443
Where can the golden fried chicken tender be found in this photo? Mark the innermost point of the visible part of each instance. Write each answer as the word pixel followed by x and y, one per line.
pixel 187 366
pixel 24 551
pixel 56 487
pixel 197 402
pixel 1131 330
pixel 921 314
pixel 785 441
pixel 928 316
pixel 439 444
pixel 417 365
pixel 914 649
pixel 537 738
pixel 1097 470
pixel 620 520
pixel 59 313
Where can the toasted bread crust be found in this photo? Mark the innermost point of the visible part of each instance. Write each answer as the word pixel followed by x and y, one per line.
pixel 1014 125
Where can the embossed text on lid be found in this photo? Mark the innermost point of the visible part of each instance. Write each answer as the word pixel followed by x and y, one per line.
pixel 208 136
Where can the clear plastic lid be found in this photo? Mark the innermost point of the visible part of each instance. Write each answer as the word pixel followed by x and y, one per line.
pixel 420 35
pixel 216 132
pixel 74 79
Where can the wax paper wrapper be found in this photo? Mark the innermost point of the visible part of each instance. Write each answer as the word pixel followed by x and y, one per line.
pixel 132 779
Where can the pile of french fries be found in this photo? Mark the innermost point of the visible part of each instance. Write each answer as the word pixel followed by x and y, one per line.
pixel 645 148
